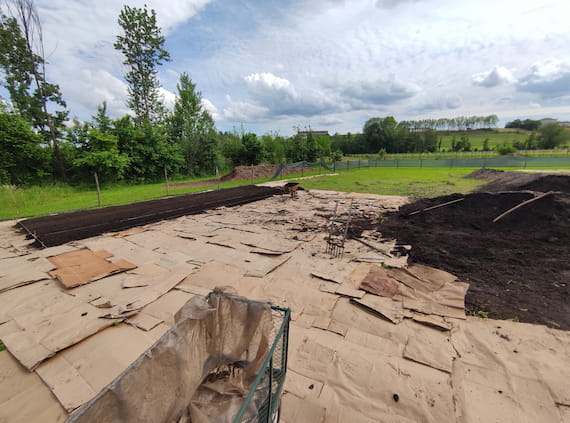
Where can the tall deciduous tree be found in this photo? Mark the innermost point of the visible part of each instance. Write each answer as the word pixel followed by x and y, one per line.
pixel 23 61
pixel 142 44
pixel 22 159
pixel 192 126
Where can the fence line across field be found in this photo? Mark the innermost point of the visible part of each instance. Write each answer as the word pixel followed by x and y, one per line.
pixel 481 162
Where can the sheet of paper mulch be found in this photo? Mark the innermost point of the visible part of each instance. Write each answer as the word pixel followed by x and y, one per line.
pixel 108 354
pixel 79 267
pixel 23 270
pixel 382 306
pixel 34 336
pixel 24 397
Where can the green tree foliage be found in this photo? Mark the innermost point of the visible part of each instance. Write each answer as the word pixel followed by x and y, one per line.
pixel 149 148
pixel 23 62
pixel 192 127
pixel 22 158
pixel 274 147
pixel 253 151
pixel 528 124
pixel 142 44
pixel 381 133
pixel 552 135
pixel 462 145
pixel 100 154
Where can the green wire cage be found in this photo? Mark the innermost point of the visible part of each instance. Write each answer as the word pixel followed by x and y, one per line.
pixel 268 385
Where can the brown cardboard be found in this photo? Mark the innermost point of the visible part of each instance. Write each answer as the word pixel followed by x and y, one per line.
pixel 19 271
pixel 378 282
pixel 24 397
pixel 78 267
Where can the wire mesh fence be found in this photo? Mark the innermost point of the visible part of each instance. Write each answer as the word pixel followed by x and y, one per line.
pixel 267 387
pixel 503 161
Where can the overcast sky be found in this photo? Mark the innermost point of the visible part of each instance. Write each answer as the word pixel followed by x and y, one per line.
pixel 270 65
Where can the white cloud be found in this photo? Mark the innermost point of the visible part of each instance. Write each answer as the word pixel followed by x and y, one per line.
pixel 213 110
pixel 496 76
pixel 548 79
pixel 279 96
pixel 379 92
pixel 441 103
pixel 241 111
pixel 168 98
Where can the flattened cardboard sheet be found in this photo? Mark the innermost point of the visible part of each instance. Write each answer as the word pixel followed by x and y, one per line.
pixel 378 282
pixel 385 307
pixel 23 270
pixel 79 267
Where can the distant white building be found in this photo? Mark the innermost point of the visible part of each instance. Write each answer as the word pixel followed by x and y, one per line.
pixel 547 121
pixel 565 123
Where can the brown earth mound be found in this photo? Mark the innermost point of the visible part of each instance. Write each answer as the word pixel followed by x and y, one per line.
pixel 484 173
pixel 518 181
pixel 245 173
pixel 518 267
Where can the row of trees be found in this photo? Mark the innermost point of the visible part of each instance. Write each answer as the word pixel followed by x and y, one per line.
pixel 457 123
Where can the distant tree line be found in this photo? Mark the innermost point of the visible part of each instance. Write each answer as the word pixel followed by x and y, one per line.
pixel 458 123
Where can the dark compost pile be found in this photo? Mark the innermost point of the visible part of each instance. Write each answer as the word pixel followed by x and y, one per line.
pixel 518 267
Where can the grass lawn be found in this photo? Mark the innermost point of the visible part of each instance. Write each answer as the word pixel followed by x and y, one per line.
pixel 414 182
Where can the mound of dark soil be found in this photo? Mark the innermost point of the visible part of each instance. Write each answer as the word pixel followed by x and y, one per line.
pixel 518 181
pixel 518 267
pixel 484 173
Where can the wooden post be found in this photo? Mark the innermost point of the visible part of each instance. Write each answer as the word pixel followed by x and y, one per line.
pixel 218 177
pixel 166 180
pixel 98 190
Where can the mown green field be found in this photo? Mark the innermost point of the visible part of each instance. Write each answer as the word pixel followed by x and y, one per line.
pixel 477 139
pixel 413 182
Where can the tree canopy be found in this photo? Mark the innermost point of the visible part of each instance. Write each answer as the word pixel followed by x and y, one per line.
pixel 142 44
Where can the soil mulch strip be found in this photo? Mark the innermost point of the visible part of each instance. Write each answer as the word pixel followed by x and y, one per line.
pixel 55 230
